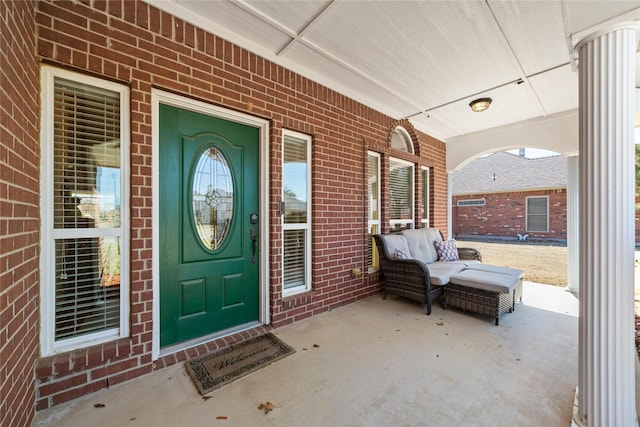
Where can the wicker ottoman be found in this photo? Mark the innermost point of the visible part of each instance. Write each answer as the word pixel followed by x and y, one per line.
pixel 517 293
pixel 490 293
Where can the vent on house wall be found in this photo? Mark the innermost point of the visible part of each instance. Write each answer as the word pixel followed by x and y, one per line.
pixel 471 202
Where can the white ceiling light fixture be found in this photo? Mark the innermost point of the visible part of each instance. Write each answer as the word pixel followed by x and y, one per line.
pixel 480 104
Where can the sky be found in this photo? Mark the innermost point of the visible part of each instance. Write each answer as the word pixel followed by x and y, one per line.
pixel 534 153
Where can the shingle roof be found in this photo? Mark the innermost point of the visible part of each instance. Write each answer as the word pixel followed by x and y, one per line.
pixel 512 173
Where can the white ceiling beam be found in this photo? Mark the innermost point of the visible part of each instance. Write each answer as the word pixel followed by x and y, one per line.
pixel 299 37
pixel 305 27
pixel 556 132
pixel 516 61
pixel 264 17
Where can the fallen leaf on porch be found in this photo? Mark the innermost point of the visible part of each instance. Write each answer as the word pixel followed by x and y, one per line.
pixel 397 330
pixel 206 397
pixel 304 349
pixel 439 323
pixel 316 346
pixel 266 407
pixel 221 417
pixel 99 405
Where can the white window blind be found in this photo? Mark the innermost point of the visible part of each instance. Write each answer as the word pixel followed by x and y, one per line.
pixel 296 214
pixel 425 197
pixel 84 238
pixel 373 190
pixel 401 193
pixel 294 258
pixel 538 214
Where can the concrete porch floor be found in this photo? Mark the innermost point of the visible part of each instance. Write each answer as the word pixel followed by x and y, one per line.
pixel 377 363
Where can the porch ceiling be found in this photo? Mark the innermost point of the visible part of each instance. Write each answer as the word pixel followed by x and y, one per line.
pixel 423 60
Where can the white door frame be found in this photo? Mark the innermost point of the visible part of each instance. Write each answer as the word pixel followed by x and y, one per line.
pixel 161 97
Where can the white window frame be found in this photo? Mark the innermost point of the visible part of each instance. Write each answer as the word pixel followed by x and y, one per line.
pixel 48 345
pixel 411 221
pixel 405 137
pixel 426 195
pixel 306 286
pixel 373 222
pixel 527 214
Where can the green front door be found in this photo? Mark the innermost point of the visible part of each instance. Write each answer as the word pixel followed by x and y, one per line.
pixel 209 278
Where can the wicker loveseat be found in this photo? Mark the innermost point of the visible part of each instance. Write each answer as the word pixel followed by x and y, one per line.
pixel 410 263
pixel 421 276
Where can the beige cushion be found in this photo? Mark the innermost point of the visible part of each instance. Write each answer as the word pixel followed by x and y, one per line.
pixel 494 282
pixel 421 243
pixel 437 264
pixel 498 269
pixel 393 242
pixel 441 272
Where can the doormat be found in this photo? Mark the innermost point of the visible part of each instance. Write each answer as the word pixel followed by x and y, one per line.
pixel 224 366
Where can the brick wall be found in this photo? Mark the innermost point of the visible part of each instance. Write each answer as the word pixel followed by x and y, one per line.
pixel 504 214
pixel 136 44
pixel 637 220
pixel 19 211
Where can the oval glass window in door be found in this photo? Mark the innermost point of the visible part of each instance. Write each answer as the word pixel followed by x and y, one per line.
pixel 212 198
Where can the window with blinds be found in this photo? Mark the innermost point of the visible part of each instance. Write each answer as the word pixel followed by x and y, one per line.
pixel 401 176
pixel 538 214
pixel 84 241
pixel 296 200
pixel 373 190
pixel 425 197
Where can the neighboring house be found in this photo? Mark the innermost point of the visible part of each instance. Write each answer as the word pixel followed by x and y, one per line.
pixel 511 196
pixel 502 195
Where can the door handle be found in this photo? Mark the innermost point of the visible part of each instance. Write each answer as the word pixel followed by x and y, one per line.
pixel 254 240
pixel 253 220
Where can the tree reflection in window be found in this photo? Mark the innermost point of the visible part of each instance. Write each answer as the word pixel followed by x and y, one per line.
pixel 212 198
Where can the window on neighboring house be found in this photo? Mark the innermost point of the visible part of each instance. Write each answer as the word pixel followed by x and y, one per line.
pixel 538 214
pixel 401 207
pixel 471 202
pixel 373 191
pixel 84 191
pixel 400 140
pixel 425 197
pixel 296 197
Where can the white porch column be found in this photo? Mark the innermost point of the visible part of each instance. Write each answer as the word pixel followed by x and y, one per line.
pixel 573 221
pixel 606 394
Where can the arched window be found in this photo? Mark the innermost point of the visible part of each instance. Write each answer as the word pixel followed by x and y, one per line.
pixel 400 140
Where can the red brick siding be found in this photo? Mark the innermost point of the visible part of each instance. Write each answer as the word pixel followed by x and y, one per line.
pixel 504 214
pixel 637 219
pixel 19 211
pixel 134 43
